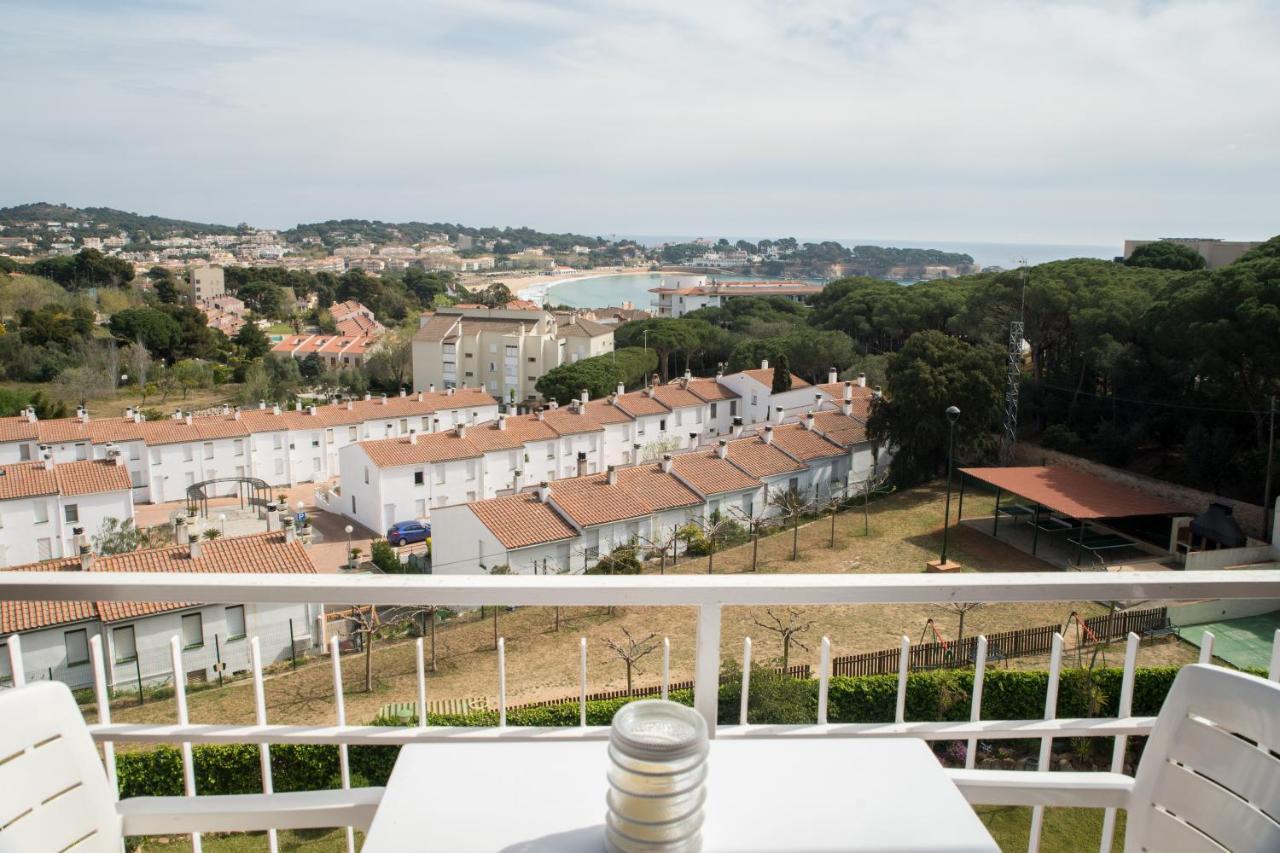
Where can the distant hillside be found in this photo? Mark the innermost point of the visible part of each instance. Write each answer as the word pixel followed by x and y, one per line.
pixel 338 232
pixel 155 227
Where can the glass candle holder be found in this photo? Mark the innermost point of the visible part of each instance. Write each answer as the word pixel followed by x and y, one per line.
pixel 657 777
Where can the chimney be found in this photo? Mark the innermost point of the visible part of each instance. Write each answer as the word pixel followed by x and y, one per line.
pixel 435 424
pixel 688 375
pixel 431 388
pixel 654 380
pixel 622 389
pixel 862 380
pixel 275 409
pixel 286 524
pixel 46 457
pixel 177 414
pixel 402 391
pixel 461 429
pixel 350 406
pixel 297 405
pixel 413 436
pixel 502 421
pixel 448 392
pixel 31 414
pixel 137 417
pixel 311 410
pixel 848 391
pixel 541 415
pixel 767 435
pixel 777 414
pixel 764 364
pixel 181 534
pixel 262 404
pixel 384 399
pixel 128 413
pixel 555 404
pixel 582 463
pixel 809 422
pixel 367 396
pixel 846 408
pixel 736 431
pixel 236 414
pixel 187 419
pixel 419 396
pixel 193 548
pixel 817 401
pixel 878 392
pixel 83 548
pixel 666 463
pixel 273 518
pixel 723 449
pixel 833 376
pixel 585 396
pixel 613 475
pixel 544 492
pixel 720 370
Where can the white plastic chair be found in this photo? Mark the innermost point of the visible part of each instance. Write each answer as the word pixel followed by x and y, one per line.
pixel 54 792
pixel 1208 780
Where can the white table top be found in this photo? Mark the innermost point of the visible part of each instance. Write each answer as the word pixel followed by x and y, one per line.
pixel 801 796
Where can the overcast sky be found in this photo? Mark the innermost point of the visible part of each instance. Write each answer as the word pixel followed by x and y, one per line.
pixel 1016 121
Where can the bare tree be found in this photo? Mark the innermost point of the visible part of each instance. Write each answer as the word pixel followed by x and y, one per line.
pixel 140 362
pixel 631 651
pixel 368 624
pixel 713 530
pixel 110 356
pixel 792 504
pixel 960 608
pixel 663 541
pixel 832 504
pixel 787 630
pixel 755 523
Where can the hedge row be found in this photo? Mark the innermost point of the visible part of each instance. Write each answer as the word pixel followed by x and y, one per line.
pixel 941 695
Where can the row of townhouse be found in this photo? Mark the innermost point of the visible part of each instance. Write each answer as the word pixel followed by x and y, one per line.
pixel 282 447
pixel 410 477
pixel 567 525
pixel 42 504
pixel 135 636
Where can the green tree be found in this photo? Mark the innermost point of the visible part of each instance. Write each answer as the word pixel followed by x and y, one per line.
pixel 160 333
pixel 781 375
pixel 931 372
pixel 252 342
pixel 599 375
pixel 1166 255
pixel 264 298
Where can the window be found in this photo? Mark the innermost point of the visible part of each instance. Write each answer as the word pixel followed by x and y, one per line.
pixel 188 453
pixel 135 452
pixel 426 424
pixel 470 355
pixel 713 411
pixel 439 469
pixel 551 450
pixel 471 470
pixel 72 513
pixel 125 644
pixel 208 450
pixel 239 446
pixel 733 408
pixel 6 673
pixel 639 427
pixel 42 512
pixel 748 506
pixel 77 643
pixel 753 399
pixel 280 466
pixel 794 484
pixel 662 425
pixel 44 548
pixel 351 433
pixel 493 347
pixel 493 367
pixel 698 415
pixel 419 478
pixel 420 507
pixel 235 618
pixel 315 439
pixel 82 452
pixel 353 504
pixel 24 450
pixel 277 442
pixel 404 426
pixel 155 457
pixel 192 631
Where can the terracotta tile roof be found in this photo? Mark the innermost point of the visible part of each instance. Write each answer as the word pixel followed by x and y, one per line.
pixel 1076 494
pixel 566 421
pixel 764 375
pixel 486 437
pixel 836 390
pixel 605 412
pixel 804 444
pixel 838 427
pixel 173 431
pixel 17 429
pixel 432 447
pixel 637 403
pixel 656 489
pixel 582 327
pixel 264 553
pixel 674 396
pixel 86 477
pixel 711 390
pixel 438 327
pixel 710 474
pixel 519 521
pixel 759 459
pixel 591 500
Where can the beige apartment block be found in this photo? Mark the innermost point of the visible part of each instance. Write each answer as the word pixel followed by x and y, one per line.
pixel 1216 253
pixel 207 283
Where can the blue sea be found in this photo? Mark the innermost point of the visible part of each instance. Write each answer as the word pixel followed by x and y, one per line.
pixel 605 290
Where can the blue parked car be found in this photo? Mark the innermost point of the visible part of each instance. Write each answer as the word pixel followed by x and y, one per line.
pixel 404 532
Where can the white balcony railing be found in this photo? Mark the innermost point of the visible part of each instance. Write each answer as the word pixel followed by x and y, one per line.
pixel 708 594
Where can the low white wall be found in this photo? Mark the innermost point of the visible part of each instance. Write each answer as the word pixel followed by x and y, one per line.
pixel 1198 561
pixel 1217 610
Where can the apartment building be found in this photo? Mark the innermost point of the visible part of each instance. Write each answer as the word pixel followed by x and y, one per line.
pixel 43 503
pixel 503 350
pixel 680 295
pixel 207 283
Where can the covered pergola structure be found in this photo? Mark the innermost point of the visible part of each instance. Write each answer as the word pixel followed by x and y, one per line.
pixel 1060 500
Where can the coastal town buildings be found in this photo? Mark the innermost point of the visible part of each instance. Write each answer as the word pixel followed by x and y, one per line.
pixel 1216 252
pixel 679 295
pixel 43 503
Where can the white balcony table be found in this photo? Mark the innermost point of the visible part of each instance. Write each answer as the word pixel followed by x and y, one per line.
pixel 818 794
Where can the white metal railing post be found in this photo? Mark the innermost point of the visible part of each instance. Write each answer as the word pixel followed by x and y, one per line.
pixel 104 708
pixel 16 670
pixel 706 669
pixel 582 682
pixel 1206 648
pixel 260 709
pixel 1273 671
pixel 180 698
pixel 824 679
pixel 746 681
pixel 1046 743
pixel 1124 709
pixel 904 668
pixel 975 706
pixel 421 667
pixel 502 681
pixel 340 707
pixel 666 666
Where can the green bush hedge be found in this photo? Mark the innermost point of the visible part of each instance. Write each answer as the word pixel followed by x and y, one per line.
pixel 942 695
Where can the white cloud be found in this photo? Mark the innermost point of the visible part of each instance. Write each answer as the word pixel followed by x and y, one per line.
pixel 1041 121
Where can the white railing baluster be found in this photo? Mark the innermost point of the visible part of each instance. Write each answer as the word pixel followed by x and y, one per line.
pixel 666 667
pixel 16 669
pixel 1046 744
pixel 1206 648
pixel 746 680
pixel 104 708
pixel 180 698
pixel 1124 709
pixel 502 681
pixel 824 680
pixel 904 667
pixel 264 750
pixel 706 669
pixel 975 703
pixel 340 707
pixel 420 665
pixel 1273 672
pixel 582 682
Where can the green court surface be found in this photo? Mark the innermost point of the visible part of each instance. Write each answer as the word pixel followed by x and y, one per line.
pixel 1243 643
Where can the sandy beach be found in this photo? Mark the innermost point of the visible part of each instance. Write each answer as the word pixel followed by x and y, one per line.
pixel 534 286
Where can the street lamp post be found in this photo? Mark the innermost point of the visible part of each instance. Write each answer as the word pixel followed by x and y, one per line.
pixel 644 333
pixel 953 415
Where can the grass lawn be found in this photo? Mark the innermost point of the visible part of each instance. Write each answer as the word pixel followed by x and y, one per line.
pixel 291 841
pixel 113 405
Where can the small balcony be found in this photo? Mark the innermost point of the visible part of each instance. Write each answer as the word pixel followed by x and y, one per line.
pixel 725 702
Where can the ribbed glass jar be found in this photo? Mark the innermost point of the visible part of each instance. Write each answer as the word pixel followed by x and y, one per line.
pixel 657 776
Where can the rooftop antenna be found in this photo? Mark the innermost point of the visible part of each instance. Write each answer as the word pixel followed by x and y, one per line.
pixel 1013 374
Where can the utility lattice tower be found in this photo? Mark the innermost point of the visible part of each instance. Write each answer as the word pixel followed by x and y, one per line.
pixel 1013 376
